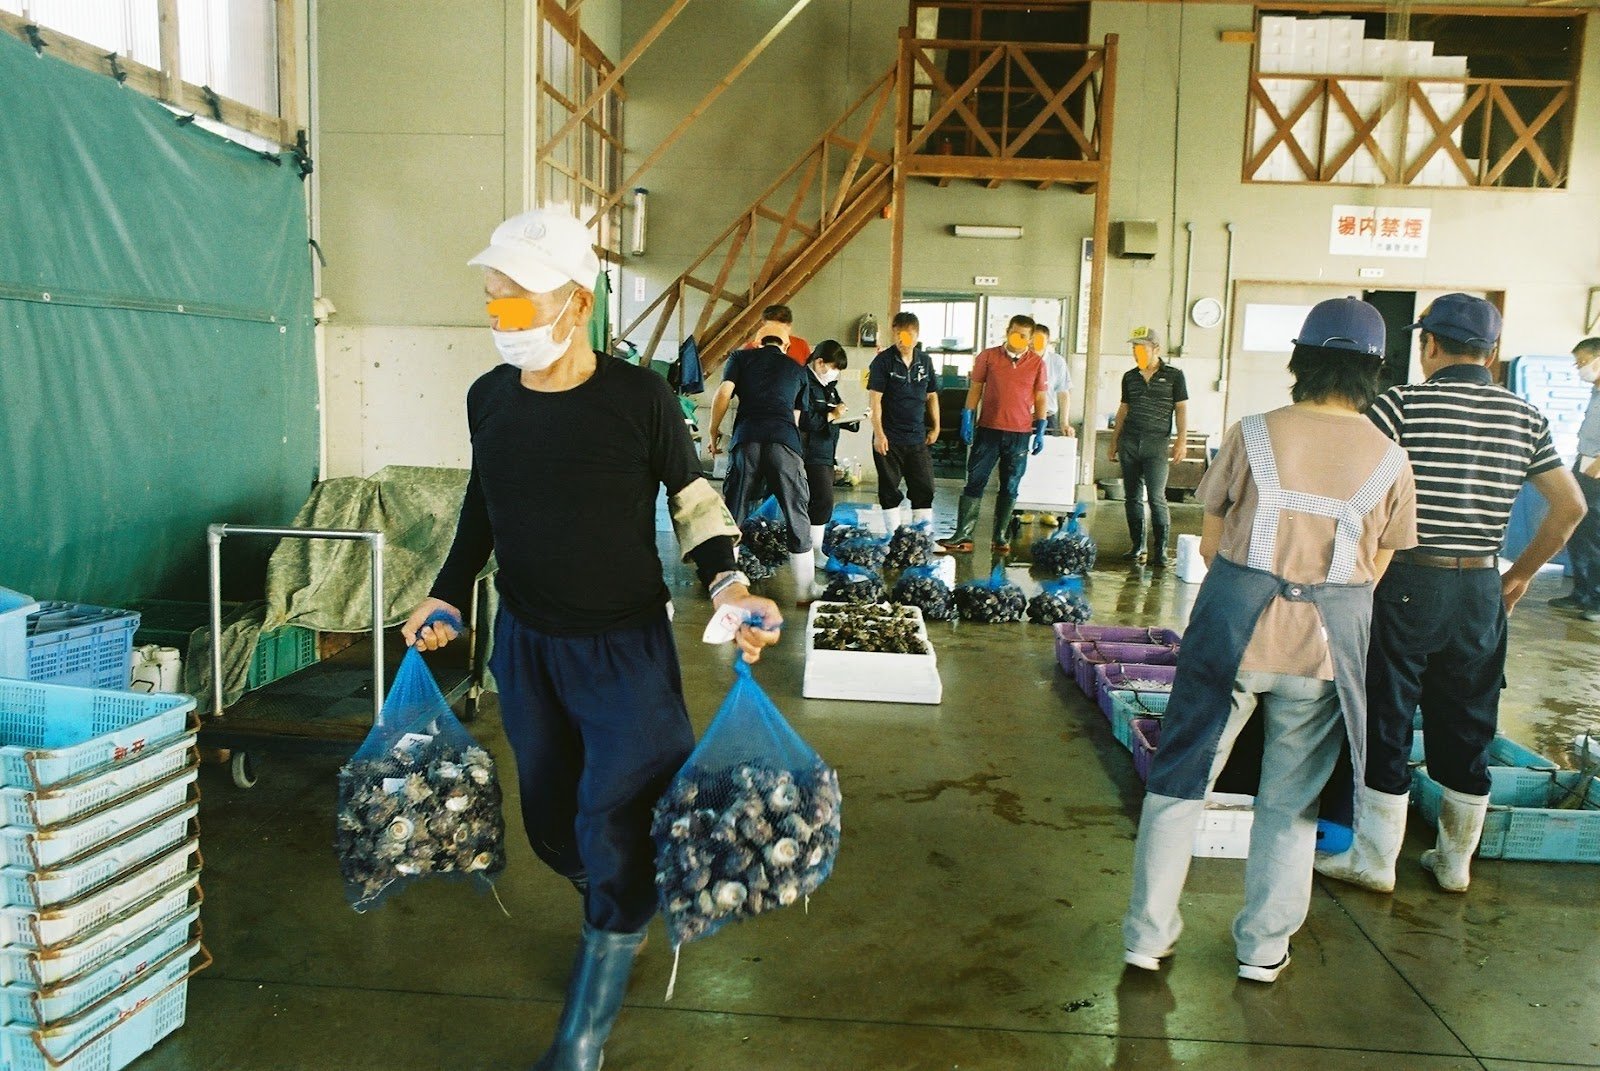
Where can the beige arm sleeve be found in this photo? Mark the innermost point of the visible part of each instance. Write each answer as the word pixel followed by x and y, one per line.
pixel 699 514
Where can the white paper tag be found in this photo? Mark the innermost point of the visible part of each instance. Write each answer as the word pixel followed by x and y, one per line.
pixel 724 624
pixel 393 785
pixel 412 741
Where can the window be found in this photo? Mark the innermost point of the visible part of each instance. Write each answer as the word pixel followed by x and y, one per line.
pixel 1431 98
pixel 585 169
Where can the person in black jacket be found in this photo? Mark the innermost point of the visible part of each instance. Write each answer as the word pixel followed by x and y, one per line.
pixel 821 411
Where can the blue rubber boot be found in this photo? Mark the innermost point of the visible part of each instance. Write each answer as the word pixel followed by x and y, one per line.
pixel 594 997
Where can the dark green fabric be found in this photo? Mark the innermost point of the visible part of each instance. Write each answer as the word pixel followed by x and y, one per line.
pixel 157 365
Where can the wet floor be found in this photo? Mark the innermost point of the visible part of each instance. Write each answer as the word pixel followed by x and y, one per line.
pixel 972 920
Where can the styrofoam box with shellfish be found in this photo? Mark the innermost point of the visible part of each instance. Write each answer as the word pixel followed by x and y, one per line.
pixel 870 676
pixel 1224 830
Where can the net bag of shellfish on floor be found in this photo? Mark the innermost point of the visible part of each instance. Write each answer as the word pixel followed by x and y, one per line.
pixel 753 567
pixel 1058 601
pixel 1069 550
pixel 766 533
pixel 920 586
pixel 867 551
pixel 990 601
pixel 419 797
pixel 853 583
pixel 911 546
pixel 749 824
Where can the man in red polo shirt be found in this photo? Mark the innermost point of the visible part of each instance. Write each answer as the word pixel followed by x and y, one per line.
pixel 1010 382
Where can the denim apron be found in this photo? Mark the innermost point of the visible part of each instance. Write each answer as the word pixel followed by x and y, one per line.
pixel 1231 601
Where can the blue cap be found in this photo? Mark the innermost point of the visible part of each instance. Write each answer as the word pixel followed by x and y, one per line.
pixel 1461 318
pixel 1345 323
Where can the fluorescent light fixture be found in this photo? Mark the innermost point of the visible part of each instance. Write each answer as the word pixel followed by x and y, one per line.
pixel 977 230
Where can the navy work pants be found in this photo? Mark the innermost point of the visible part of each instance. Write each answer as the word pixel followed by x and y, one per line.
pixel 1145 462
pixel 1008 449
pixel 1583 548
pixel 599 728
pixel 1438 640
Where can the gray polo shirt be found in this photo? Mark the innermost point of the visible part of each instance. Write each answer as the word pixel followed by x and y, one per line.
pixel 1589 434
pixel 1151 404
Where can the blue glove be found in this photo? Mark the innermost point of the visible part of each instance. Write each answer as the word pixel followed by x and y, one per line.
pixel 968 420
pixel 1038 436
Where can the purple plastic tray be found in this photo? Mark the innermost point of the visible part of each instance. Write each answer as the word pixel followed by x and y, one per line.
pixel 1146 738
pixel 1067 635
pixel 1114 676
pixel 1086 656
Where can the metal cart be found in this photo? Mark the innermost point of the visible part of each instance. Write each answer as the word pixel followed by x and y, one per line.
pixel 329 706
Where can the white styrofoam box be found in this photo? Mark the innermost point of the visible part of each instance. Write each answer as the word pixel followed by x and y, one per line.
pixel 1346 31
pixel 1415 58
pixel 53 846
pixel 1278 27
pixel 1344 57
pixel 1051 479
pixel 944 568
pixel 1310 31
pixel 29 927
pixel 1191 567
pixel 1379 57
pixel 873 678
pixel 39 968
pixel 1448 67
pixel 1310 56
pixel 1224 831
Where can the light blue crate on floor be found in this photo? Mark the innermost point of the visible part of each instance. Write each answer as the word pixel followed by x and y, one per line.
pixel 52 732
pixel 1522 823
pixel 1129 706
pixel 14 610
pixel 88 646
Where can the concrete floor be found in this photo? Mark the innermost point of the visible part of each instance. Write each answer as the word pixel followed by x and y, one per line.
pixel 972 921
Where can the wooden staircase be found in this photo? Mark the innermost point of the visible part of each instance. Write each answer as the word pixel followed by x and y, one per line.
pixel 946 110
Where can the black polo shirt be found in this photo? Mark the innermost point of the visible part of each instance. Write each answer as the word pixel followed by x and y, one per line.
pixel 770 387
pixel 905 389
pixel 1151 404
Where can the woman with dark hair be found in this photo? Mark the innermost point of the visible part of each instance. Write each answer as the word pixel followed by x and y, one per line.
pixel 821 410
pixel 1305 506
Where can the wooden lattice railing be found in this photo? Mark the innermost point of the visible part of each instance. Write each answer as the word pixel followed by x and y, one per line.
pixel 1004 110
pixel 821 201
pixel 1409 131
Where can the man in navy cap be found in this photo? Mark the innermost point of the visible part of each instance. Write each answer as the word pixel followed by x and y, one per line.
pixel 1439 616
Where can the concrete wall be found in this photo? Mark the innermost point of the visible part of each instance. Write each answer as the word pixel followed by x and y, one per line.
pixel 1180 129
pixel 421 150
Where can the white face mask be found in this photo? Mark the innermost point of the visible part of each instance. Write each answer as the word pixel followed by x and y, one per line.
pixel 534 349
pixel 829 378
pixel 1590 373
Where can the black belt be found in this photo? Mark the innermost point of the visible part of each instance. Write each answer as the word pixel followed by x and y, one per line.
pixel 1446 561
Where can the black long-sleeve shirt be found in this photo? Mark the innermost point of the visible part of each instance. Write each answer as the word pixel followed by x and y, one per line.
pixel 563 490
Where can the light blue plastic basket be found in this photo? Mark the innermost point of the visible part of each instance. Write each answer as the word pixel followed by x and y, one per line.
pixel 90 646
pixel 51 732
pixel 14 610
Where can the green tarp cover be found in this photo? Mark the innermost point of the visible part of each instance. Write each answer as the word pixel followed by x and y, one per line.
pixel 157 366
pixel 327 585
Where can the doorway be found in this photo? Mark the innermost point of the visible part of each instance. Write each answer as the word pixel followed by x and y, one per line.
pixel 1399 308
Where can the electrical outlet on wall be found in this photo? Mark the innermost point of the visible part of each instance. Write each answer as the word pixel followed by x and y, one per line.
pixel 638 288
pixel 1372 273
pixel 986 280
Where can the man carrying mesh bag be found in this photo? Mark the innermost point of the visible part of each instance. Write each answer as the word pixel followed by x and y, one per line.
pixel 750 824
pixel 569 451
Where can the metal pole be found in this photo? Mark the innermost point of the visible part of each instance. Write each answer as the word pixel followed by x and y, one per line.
pixel 214 536
pixel 1227 322
pixel 1188 289
pixel 377 627
pixel 214 548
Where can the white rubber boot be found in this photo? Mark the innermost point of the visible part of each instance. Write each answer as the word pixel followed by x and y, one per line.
pixel 818 555
pixel 805 578
pixel 1460 826
pixel 1379 831
pixel 922 516
pixel 891 520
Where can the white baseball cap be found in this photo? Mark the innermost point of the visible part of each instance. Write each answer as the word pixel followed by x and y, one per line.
pixel 542 251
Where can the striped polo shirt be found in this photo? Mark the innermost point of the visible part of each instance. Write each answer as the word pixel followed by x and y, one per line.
pixel 1151 403
pixel 1472 445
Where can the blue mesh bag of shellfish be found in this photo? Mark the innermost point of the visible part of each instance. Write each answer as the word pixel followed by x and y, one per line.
pixel 749 824
pixel 420 797
pixel 1069 550
pixel 766 533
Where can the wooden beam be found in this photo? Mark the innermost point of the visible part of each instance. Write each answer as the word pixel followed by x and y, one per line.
pixel 1238 37
pixel 609 81
pixel 1097 274
pixel 288 72
pixel 897 188
pixel 700 108
pixel 1045 185
pixel 171 69
pixel 985 168
pixel 992 184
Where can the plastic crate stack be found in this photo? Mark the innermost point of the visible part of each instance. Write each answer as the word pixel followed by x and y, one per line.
pixel 100 886
pixel 278 653
pixel 65 643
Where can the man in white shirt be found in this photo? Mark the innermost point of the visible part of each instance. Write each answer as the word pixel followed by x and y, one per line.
pixel 1058 393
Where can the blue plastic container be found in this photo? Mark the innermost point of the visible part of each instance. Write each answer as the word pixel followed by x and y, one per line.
pixel 85 646
pixel 14 610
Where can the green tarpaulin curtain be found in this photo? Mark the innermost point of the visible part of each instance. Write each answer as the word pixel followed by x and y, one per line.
pixel 157 364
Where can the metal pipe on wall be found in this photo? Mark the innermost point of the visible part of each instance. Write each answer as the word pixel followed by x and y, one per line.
pixel 1227 318
pixel 1188 288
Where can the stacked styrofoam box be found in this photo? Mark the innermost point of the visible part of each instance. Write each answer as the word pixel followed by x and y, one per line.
pixel 1337 46
pixel 99 874
pixel 870 676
